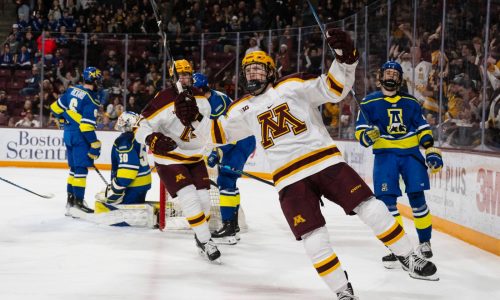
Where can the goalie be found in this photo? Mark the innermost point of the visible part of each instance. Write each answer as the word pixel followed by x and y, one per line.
pixel 123 203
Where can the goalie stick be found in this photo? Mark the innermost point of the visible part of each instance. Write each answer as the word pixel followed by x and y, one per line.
pixel 48 196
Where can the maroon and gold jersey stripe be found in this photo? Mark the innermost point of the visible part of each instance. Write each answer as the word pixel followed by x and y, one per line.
pixel 392 235
pixel 181 158
pixel 303 162
pixel 197 220
pixel 217 133
pixel 328 265
pixel 334 85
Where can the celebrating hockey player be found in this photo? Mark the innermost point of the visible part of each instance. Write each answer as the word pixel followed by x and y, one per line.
pixel 178 153
pixel 77 110
pixel 391 123
pixel 284 118
pixel 231 156
pixel 123 203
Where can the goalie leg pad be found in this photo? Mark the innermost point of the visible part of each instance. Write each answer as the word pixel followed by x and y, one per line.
pixel 191 206
pixel 326 262
pixel 375 214
pixel 138 215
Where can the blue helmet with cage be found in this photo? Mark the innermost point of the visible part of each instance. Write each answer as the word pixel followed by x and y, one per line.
pixel 200 81
pixel 92 75
pixel 392 83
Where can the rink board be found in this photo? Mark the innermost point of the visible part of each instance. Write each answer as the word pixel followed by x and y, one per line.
pixel 464 198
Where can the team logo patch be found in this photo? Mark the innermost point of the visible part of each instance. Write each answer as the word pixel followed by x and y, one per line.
pixel 179 177
pixel 297 220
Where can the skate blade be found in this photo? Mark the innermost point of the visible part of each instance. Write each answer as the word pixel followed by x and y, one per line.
pixel 391 264
pixel 216 261
pixel 226 240
pixel 433 277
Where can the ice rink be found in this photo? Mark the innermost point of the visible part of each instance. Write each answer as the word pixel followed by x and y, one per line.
pixel 45 255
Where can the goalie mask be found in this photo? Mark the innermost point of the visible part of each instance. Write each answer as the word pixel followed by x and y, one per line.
pixel 184 72
pixel 391 75
pixel 257 71
pixel 127 121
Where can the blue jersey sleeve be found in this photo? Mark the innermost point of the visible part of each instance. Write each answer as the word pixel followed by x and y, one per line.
pixel 88 119
pixel 219 102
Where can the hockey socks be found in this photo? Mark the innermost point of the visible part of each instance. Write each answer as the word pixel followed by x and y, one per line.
pixel 421 216
pixel 325 261
pixel 190 204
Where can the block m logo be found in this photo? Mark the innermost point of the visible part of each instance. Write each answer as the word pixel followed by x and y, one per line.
pixel 285 122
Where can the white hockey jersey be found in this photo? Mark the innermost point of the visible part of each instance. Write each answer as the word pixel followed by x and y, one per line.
pixel 287 123
pixel 159 116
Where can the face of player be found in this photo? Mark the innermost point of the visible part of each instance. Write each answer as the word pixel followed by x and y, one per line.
pixel 391 74
pixel 185 79
pixel 256 72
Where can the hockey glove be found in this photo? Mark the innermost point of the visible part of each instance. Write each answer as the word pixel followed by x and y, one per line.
pixel 214 158
pixel 160 144
pixel 186 109
pixel 370 136
pixel 95 150
pixel 434 159
pixel 342 44
pixel 114 193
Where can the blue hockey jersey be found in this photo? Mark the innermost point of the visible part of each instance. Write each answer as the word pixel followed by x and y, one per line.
pixel 129 164
pixel 399 119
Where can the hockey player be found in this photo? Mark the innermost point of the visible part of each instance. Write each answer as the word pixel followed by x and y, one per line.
pixel 233 156
pixel 393 125
pixel 178 154
pixel 77 110
pixel 284 118
pixel 123 203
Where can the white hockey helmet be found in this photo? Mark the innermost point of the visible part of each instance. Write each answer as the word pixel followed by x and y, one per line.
pixel 127 121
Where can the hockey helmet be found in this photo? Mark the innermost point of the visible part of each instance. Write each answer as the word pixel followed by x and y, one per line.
pixel 127 121
pixel 181 66
pixel 255 87
pixel 92 75
pixel 200 80
pixel 391 84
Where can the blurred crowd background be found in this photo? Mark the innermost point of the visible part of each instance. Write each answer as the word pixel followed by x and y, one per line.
pixel 449 50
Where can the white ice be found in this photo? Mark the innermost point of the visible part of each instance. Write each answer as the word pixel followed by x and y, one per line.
pixel 45 255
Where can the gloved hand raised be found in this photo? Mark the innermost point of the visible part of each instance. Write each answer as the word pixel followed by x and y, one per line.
pixel 434 159
pixel 160 144
pixel 342 44
pixel 185 108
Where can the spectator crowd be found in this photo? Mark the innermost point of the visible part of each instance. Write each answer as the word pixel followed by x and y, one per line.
pixel 52 41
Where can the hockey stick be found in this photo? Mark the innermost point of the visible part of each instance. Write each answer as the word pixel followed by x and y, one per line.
pixel 166 48
pixel 316 17
pixel 246 174
pixel 100 175
pixel 48 196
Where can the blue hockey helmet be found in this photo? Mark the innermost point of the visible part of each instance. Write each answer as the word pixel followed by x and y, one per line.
pixel 200 80
pixel 391 84
pixel 92 75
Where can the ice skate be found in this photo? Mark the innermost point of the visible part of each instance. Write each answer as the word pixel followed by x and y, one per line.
pixel 70 202
pixel 208 250
pixel 80 209
pixel 347 293
pixel 227 234
pixel 424 250
pixel 418 268
pixel 390 261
